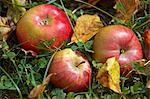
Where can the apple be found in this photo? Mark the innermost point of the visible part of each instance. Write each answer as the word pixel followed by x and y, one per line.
pixel 71 71
pixel 117 41
pixel 43 23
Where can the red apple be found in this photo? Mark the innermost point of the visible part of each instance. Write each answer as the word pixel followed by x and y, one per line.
pixel 118 41
pixel 40 23
pixel 71 71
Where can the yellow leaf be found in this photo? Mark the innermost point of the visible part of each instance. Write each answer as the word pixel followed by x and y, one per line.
pixel 86 27
pixel 109 75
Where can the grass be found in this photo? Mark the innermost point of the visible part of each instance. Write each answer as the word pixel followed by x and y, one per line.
pixel 20 71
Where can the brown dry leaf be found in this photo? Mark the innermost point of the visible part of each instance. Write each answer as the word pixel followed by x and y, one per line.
pixel 109 75
pixel 146 36
pixel 126 8
pixel 93 2
pixel 39 89
pixel 86 27
pixel 15 9
pixel 146 39
pixel 148 90
pixel 148 84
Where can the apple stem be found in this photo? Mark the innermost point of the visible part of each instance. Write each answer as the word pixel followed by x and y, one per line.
pixel 122 51
pixel 44 21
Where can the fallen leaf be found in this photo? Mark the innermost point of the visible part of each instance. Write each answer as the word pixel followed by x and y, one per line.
pixel 148 88
pixel 86 27
pixel 146 39
pixel 126 8
pixel 5 27
pixel 109 75
pixel 144 69
pixel 148 84
pixel 39 89
pixel 93 2
pixel 15 9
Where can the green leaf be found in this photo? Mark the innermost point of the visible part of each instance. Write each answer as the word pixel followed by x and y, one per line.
pixel 46 44
pixel 89 44
pixel 8 84
pixel 126 90
pixel 79 97
pixel 5 83
pixel 143 69
pixel 58 94
pixel 5 45
pixel 28 65
pixel 38 76
pixel 137 88
pixel 42 62
pixel 87 96
pixel 74 47
pixel 80 44
pixel 70 95
pixel 112 96
pixel 9 55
